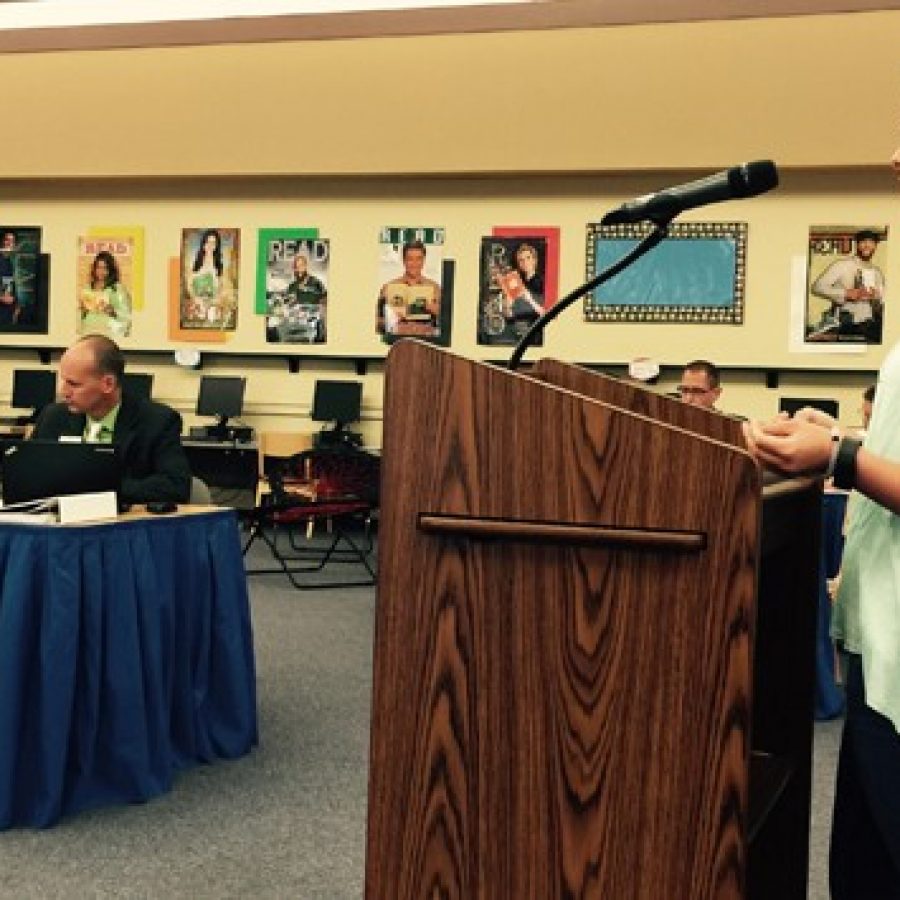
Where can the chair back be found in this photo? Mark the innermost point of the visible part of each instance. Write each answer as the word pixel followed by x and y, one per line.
pixel 276 446
pixel 333 473
pixel 200 495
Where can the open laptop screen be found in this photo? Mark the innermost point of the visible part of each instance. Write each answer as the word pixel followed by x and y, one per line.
pixel 33 470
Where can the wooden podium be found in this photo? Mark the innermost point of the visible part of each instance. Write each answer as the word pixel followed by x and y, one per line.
pixel 594 644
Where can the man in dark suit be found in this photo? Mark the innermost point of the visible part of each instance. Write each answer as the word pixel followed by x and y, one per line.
pixel 94 409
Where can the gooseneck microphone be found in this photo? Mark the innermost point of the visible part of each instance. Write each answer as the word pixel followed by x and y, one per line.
pixel 747 180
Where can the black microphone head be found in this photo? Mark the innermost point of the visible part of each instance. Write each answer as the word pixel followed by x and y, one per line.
pixel 752 179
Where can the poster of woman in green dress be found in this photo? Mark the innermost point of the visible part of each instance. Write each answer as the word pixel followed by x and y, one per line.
pixel 104 297
pixel 210 262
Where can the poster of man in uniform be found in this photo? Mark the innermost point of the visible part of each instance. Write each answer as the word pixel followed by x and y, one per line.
pixel 23 305
pixel 410 299
pixel 296 289
pixel 210 268
pixel 512 292
pixel 845 294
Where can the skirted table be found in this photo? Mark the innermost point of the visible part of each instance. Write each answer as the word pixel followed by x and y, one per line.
pixel 126 654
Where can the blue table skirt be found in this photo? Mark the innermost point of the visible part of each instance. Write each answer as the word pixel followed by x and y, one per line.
pixel 126 654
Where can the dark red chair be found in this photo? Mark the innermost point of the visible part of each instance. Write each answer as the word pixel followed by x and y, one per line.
pixel 338 486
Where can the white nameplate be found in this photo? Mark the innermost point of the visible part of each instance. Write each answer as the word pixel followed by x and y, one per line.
pixel 87 507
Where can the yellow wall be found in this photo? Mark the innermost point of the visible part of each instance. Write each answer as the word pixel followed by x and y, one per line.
pixel 281 133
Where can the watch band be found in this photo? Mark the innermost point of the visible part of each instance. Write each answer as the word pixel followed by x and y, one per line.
pixel 845 464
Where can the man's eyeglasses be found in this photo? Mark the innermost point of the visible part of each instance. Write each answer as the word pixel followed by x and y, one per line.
pixel 686 390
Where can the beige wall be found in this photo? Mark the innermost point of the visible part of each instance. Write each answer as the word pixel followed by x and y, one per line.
pixel 567 123
pixel 660 96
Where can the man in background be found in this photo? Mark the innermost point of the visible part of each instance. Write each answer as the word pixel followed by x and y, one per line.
pixel 148 434
pixel 700 384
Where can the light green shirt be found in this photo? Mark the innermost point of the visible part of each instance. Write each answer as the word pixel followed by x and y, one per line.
pixel 867 612
pixel 107 426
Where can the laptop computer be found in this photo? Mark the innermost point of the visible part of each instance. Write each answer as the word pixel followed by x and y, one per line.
pixel 33 470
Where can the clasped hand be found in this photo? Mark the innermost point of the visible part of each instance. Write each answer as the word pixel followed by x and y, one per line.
pixel 798 445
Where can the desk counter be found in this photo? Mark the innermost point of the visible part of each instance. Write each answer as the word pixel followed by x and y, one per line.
pixel 126 654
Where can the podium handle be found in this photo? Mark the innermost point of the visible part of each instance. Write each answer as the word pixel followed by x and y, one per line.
pixel 586 535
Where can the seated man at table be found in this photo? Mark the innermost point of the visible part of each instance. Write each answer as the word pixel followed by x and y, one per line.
pixel 94 409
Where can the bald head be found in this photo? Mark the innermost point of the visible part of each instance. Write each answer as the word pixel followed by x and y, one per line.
pixel 90 374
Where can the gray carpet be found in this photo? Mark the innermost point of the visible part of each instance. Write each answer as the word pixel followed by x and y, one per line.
pixel 288 820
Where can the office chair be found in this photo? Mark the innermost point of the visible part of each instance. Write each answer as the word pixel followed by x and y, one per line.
pixel 200 495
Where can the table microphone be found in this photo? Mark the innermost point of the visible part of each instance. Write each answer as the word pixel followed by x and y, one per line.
pixel 746 180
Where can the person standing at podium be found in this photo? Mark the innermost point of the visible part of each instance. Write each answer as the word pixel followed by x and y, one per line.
pixel 865 835
pixel 148 434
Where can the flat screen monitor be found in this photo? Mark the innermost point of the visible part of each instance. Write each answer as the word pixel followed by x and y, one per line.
pixel 337 401
pixel 33 388
pixel 138 385
pixel 792 405
pixel 221 396
pixel 34 470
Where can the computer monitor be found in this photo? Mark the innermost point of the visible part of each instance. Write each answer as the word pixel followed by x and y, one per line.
pixel 220 396
pixel 337 401
pixel 792 405
pixel 34 470
pixel 33 389
pixel 138 385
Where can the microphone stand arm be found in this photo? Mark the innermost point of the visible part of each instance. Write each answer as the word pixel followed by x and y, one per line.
pixel 645 246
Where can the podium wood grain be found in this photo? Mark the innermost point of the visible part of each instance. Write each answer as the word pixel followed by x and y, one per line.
pixel 567 717
pixel 642 400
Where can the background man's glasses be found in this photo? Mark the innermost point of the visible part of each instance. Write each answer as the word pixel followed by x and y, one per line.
pixel 687 391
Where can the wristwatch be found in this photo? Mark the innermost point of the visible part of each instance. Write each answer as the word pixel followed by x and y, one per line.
pixel 845 464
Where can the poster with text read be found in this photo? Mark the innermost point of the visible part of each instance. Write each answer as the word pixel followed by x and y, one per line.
pixel 104 280
pixel 297 291
pixel 410 297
